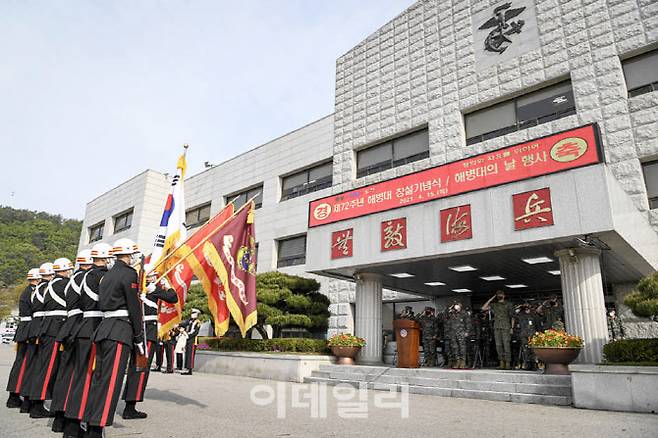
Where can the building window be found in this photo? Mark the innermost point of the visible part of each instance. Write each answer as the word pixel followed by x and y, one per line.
pixel 197 216
pixel 96 232
pixel 393 153
pixel 541 106
pixel 651 182
pixel 307 181
pixel 123 221
pixel 292 251
pixel 241 198
pixel 641 73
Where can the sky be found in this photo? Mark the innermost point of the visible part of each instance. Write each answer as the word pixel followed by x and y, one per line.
pixel 93 92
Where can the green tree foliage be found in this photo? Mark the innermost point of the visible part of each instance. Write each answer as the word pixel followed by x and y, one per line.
pixel 30 238
pixel 283 301
pixel 290 301
pixel 9 299
pixel 644 301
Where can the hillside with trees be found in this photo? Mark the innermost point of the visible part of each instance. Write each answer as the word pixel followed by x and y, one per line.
pixel 29 238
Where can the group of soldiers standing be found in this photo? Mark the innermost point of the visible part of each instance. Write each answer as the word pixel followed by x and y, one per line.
pixel 465 336
pixel 79 327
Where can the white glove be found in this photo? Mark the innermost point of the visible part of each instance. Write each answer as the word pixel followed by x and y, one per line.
pixel 139 348
pixel 150 288
pixel 165 284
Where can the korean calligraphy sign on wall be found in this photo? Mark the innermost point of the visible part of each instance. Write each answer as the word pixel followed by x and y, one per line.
pixel 342 243
pixel 532 209
pixel 394 234
pixel 566 150
pixel 456 223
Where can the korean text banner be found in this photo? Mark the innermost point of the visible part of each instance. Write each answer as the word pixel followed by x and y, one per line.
pixel 566 150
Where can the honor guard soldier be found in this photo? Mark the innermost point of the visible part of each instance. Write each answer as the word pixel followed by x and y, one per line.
pixel 36 300
pixel 46 367
pixel 119 332
pixel 85 353
pixel 169 347
pixel 137 380
pixel 65 375
pixel 17 373
pixel 502 314
pixel 192 327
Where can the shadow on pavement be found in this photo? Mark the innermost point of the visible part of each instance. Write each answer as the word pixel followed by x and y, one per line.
pixel 168 396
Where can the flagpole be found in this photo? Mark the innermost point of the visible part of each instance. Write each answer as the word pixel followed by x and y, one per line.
pixel 169 254
pixel 205 240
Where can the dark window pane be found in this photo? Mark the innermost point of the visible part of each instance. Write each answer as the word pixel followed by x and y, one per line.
pixel 651 178
pixel 96 232
pixel 411 145
pixel 490 119
pixel 547 101
pixel 374 156
pixel 641 70
pixel 292 251
pixel 295 180
pixel 123 221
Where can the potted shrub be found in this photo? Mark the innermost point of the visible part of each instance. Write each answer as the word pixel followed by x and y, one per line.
pixel 557 349
pixel 345 347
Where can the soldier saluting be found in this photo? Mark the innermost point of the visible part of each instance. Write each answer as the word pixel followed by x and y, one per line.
pixel 17 373
pixel 117 335
pixel 137 380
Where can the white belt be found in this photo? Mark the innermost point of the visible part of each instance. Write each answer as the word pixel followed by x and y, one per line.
pixel 26 318
pixel 56 313
pixel 115 313
pixel 92 314
pixel 38 314
pixel 74 312
pixel 151 318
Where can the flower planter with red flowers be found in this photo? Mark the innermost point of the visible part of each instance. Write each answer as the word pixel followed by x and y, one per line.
pixel 345 347
pixel 557 349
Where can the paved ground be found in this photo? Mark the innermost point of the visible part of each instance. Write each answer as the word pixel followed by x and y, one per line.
pixel 205 405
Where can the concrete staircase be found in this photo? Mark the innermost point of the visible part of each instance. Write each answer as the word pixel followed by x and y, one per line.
pixel 497 385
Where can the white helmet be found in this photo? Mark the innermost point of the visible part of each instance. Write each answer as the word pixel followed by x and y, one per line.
pixel 33 274
pixel 101 251
pixel 62 264
pixel 84 257
pixel 124 247
pixel 46 269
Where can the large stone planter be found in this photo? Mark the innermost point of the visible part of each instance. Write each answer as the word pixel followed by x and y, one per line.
pixel 272 366
pixel 345 355
pixel 615 388
pixel 557 359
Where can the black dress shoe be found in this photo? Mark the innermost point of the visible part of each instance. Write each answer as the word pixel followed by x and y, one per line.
pixel 186 373
pixel 167 371
pixel 133 414
pixel 25 406
pixel 14 401
pixel 39 411
pixel 156 369
pixel 72 429
pixel 94 432
pixel 58 422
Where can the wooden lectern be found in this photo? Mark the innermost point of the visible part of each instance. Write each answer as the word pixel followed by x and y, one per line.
pixel 407 338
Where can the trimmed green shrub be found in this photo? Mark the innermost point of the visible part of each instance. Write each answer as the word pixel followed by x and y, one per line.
pixel 281 345
pixel 631 350
pixel 644 301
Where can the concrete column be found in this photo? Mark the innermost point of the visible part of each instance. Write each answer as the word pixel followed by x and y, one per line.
pixel 584 306
pixel 368 317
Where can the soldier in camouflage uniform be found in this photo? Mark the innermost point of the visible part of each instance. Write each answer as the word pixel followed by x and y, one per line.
pixel 444 338
pixel 526 322
pixel 551 310
pixel 407 313
pixel 503 312
pixel 460 325
pixel 615 326
pixel 429 326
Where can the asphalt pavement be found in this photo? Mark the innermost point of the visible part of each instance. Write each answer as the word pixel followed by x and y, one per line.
pixel 208 405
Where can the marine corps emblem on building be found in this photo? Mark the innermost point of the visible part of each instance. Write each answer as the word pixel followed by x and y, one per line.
pixel 503 27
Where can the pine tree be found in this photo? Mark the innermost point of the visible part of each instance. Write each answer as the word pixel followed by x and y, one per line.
pixel 644 301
